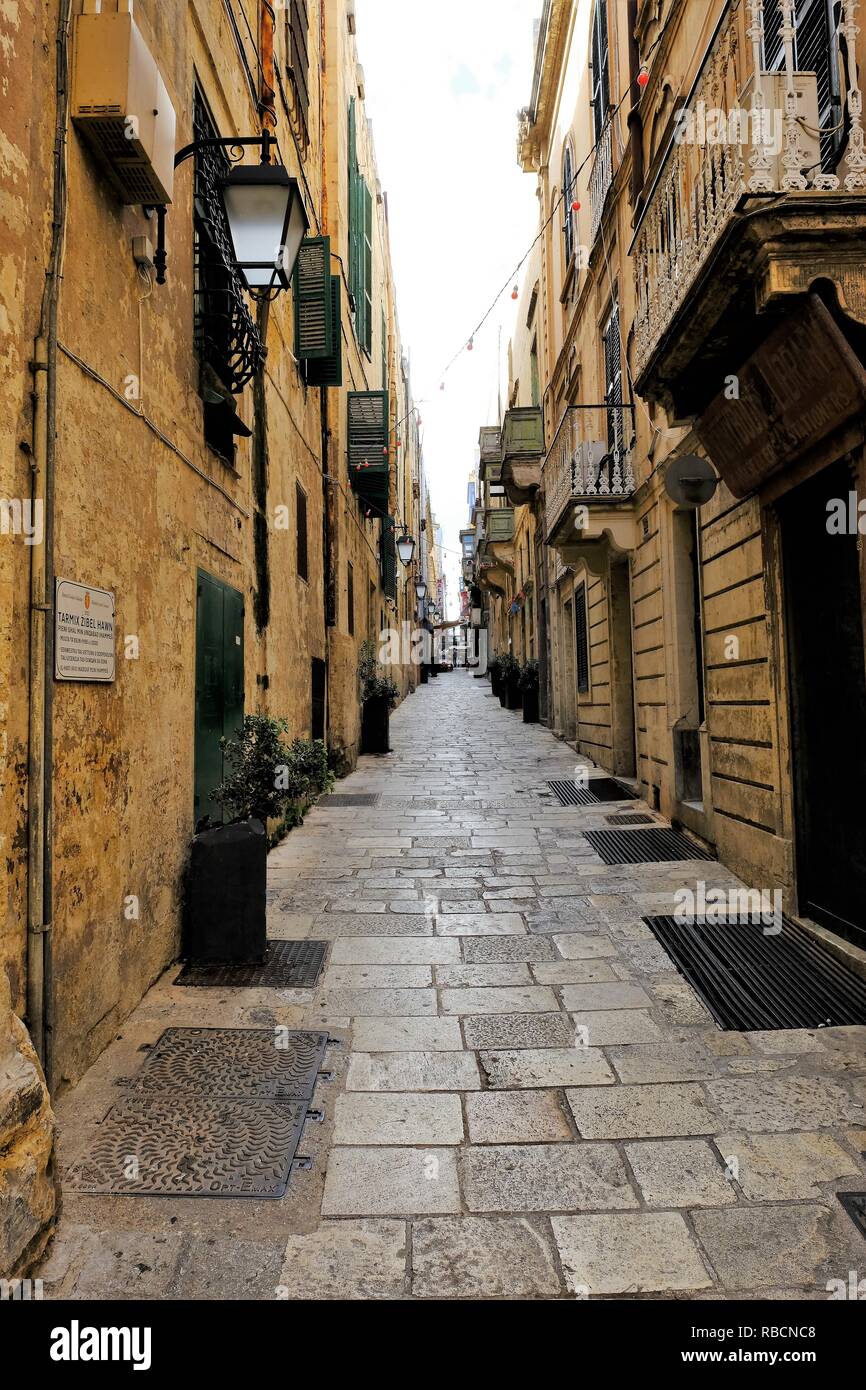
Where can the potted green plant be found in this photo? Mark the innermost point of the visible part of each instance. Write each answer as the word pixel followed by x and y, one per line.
pixel 509 692
pixel 494 666
pixel 265 779
pixel 379 695
pixel 529 688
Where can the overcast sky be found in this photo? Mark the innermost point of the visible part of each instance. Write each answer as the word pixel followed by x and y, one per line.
pixel 444 84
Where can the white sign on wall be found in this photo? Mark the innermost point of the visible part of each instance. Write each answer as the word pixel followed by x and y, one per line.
pixel 83 632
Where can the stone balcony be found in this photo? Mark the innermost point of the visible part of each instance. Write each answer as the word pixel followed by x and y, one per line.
pixel 751 203
pixel 496 549
pixel 589 485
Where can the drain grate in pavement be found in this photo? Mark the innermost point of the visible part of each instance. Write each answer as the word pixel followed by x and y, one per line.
pixel 177 1145
pixel 643 846
pixel 288 965
pixel 630 818
pixel 234 1063
pixel 608 789
pixel 570 794
pixel 753 978
pixel 337 800
pixel 855 1205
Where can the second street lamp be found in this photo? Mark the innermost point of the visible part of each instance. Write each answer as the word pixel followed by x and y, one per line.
pixel 420 590
pixel 406 547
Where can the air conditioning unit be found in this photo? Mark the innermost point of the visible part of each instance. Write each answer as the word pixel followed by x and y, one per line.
pixel 774 86
pixel 120 106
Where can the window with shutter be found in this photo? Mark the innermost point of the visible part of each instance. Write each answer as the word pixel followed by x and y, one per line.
pixel 369 466
pixel 815 51
pixel 367 329
pixel 613 379
pixel 385 382
pixel 313 295
pixel 567 198
pixel 360 241
pixel 350 599
pixel 301 529
pixel 388 557
pixel 600 68
pixel 328 371
pixel 298 49
pixel 581 636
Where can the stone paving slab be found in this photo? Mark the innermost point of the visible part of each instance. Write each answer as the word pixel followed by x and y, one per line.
pixel 533 999
pixel 352 977
pixel 407 1035
pixel 644 1252
pixel 545 1177
pixel 413 1071
pixel 573 972
pixel 368 1118
pixel 481 924
pixel 623 1112
pixel 516 1117
pixel 551 1066
pixel 785 1167
pixel 487 950
pixel 753 1247
pixel 680 1173
pixel 377 1003
pixel 518 1030
pixel 782 1103
pixel 604 1026
pixel 395 951
pixel 391 1182
pixel 483 976
pixel 482 1257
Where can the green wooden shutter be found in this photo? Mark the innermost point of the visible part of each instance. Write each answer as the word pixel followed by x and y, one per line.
pixel 219 685
pixel 388 556
pixel 369 465
pixel 581 635
pixel 385 382
pixel 328 371
pixel 367 251
pixel 314 326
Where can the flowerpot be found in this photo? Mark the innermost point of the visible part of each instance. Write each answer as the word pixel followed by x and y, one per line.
pixel 530 707
pixel 495 682
pixel 503 693
pixel 422 673
pixel 513 694
pixel 434 669
pixel 374 726
pixel 225 915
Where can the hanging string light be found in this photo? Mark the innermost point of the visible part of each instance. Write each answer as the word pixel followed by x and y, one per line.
pixel 514 294
pixel 643 76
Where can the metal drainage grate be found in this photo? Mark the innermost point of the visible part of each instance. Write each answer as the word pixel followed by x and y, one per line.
pixel 855 1205
pixel 569 794
pixel 752 979
pixel 335 801
pixel 289 965
pixel 643 846
pixel 177 1145
pixel 630 818
pixel 234 1063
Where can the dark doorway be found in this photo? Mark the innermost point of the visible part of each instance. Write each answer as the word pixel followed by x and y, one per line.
pixel 319 692
pixel 824 626
pixel 219 685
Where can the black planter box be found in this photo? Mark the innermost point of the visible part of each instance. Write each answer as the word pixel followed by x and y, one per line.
pixel 422 673
pixel 513 694
pixel 495 682
pixel 434 669
pixel 530 707
pixel 225 916
pixel 374 726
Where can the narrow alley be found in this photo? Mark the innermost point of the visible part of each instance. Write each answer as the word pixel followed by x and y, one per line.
pixel 526 1099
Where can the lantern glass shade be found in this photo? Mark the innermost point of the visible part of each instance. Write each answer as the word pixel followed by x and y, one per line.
pixel 267 222
pixel 406 548
pixel 420 590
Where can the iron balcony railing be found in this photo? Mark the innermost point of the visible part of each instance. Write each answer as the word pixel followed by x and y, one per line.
pixel 601 177
pixel 744 131
pixel 590 459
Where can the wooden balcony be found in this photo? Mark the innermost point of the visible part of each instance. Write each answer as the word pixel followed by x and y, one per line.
pixel 522 452
pixel 760 192
pixel 589 485
pixel 496 549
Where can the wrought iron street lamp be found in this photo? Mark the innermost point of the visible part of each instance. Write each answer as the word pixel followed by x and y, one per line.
pixel 406 547
pixel 267 223
pixel 420 590
pixel 264 213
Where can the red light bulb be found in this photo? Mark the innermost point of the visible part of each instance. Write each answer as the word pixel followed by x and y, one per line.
pixel 642 78
pixel 514 294
pixel 575 207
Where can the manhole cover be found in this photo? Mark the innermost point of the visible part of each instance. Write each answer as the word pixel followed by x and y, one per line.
pixel 234 1063
pixel 630 818
pixel 289 965
pixel 643 846
pixel 177 1145
pixel 345 799
pixel 754 977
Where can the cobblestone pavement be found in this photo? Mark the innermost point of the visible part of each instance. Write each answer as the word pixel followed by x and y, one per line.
pixel 472 1147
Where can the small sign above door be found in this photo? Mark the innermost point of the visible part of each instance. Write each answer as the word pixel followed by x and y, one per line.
pixel 83 633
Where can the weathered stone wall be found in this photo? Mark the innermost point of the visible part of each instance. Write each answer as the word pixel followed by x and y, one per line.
pixel 29 1196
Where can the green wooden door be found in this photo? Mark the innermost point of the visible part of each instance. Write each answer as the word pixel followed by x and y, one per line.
pixel 219 684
